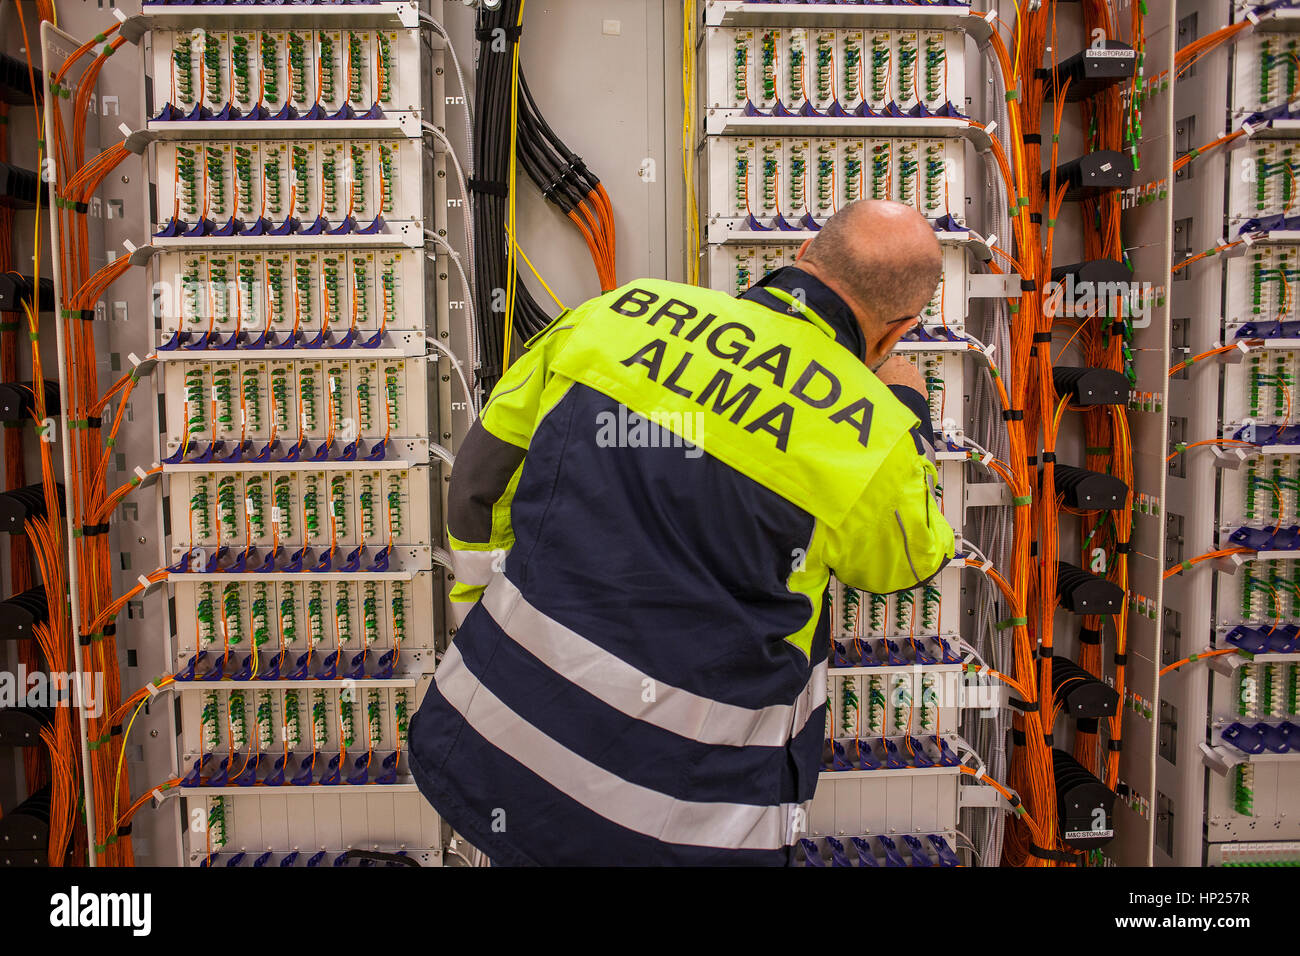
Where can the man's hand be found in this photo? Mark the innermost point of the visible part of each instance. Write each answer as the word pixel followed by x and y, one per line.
pixel 897 370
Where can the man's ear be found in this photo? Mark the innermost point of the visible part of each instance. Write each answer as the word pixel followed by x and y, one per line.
pixel 803 248
pixel 893 335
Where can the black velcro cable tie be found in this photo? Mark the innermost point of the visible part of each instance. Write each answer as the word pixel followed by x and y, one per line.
pixel 1088 635
pixel 1014 799
pixel 1123 547
pixel 1049 740
pixel 1036 218
pixel 1045 653
pixel 94 421
pixel 1028 285
pixel 1033 138
pixel 1049 457
pixel 1032 460
pixel 80 207
pixel 86 315
pixel 115 730
pixel 1057 855
pixel 85 640
pixel 1017 737
pixel 1013 414
pixel 1121 660
pixel 489 188
pixel 1115 745
pixel 110 629
pixel 124 831
pixel 1042 336
pixel 1023 707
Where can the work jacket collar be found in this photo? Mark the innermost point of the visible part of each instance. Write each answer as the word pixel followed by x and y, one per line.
pixel 815 302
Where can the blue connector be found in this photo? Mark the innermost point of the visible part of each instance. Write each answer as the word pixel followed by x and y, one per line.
pixel 917 851
pixel 941 848
pixel 892 856
pixel 838 858
pixel 811 854
pixel 865 856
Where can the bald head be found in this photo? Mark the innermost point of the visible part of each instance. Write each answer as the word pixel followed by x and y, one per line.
pixel 881 257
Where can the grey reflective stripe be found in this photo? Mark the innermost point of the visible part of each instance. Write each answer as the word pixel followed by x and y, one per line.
pixel 496 395
pixel 928 449
pixel 623 687
pixel 732 826
pixel 475 568
pixel 906 550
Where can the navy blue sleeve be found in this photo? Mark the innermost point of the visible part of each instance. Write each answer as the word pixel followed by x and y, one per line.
pixel 918 405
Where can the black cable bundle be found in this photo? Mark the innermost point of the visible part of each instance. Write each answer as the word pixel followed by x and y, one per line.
pixel 567 183
pixel 490 189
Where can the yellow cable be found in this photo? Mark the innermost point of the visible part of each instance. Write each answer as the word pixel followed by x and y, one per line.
pixel 121 753
pixel 533 269
pixel 511 263
pixel 688 142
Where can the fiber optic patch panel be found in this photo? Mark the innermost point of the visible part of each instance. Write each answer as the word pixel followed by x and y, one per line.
pixel 786 183
pixel 1262 184
pixel 247 736
pixel 808 70
pixel 354 629
pixel 1261 392
pixel 284 297
pixel 286 619
pixel 300 72
pixel 1262 491
pixel 859 616
pixel 292 509
pixel 1265 75
pixel 220 189
pixel 280 410
pixel 894 703
pixel 1259 293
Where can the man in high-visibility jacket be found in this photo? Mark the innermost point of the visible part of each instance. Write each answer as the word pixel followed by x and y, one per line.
pixel 644 521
